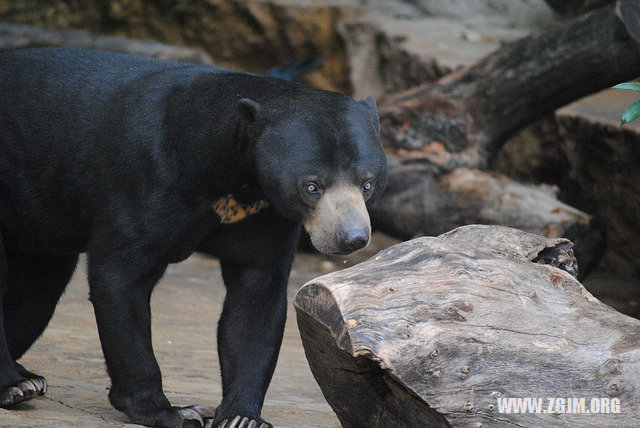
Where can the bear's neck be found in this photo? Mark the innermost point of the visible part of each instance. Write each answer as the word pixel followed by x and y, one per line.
pixel 207 134
pixel 218 165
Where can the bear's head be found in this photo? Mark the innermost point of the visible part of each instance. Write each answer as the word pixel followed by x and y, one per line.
pixel 319 160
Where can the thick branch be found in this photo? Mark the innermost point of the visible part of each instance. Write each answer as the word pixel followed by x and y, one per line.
pixel 473 111
pixel 425 200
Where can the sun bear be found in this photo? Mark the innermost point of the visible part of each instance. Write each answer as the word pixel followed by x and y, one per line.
pixel 140 162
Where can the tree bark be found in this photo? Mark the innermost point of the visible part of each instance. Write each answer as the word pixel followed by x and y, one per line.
pixel 435 331
pixel 23 36
pixel 471 112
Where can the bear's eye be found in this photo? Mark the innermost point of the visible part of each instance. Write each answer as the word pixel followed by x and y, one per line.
pixel 367 186
pixel 312 187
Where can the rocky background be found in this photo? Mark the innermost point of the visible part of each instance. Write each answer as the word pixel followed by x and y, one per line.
pixel 378 47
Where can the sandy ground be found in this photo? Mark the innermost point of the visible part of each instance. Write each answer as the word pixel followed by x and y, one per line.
pixel 186 306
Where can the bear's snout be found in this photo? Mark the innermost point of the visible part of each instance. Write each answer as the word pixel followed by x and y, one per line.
pixel 339 223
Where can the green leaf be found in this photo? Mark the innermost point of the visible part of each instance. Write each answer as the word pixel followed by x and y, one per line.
pixel 631 113
pixel 628 85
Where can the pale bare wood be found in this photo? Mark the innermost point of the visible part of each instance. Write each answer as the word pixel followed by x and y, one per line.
pixel 432 331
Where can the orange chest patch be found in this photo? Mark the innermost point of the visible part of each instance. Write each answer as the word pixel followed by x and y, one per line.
pixel 231 211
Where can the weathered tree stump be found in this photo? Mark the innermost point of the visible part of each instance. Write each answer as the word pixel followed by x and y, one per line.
pixel 432 332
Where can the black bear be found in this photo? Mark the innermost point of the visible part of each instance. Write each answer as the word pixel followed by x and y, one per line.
pixel 140 162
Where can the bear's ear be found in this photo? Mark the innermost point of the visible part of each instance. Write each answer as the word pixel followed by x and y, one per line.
pixel 249 110
pixel 372 107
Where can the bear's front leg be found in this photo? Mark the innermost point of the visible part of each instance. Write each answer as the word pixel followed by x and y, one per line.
pixel 120 293
pixel 249 336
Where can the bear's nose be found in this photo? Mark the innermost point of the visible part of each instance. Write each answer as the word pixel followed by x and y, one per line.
pixel 351 240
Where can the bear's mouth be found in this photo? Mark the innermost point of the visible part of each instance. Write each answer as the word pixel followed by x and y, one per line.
pixel 339 223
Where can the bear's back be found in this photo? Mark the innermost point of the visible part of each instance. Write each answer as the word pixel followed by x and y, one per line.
pixel 42 80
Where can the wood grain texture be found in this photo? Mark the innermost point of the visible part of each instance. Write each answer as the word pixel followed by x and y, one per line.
pixel 422 200
pixel 432 331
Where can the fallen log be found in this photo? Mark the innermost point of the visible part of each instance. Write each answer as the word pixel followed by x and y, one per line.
pixel 438 330
pixel 423 199
pixel 14 36
pixel 426 205
pixel 470 113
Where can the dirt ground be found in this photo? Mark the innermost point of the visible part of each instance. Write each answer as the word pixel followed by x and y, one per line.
pixel 186 306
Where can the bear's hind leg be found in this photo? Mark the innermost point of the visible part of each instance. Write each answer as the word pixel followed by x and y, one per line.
pixel 35 284
pixel 14 387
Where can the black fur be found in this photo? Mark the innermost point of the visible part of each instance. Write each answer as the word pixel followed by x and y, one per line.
pixel 121 157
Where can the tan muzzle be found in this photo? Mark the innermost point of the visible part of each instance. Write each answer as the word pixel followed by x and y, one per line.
pixel 339 223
